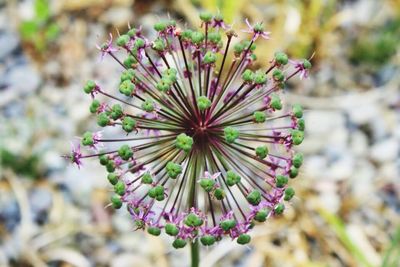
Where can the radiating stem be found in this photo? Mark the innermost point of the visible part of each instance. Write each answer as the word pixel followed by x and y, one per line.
pixel 195 253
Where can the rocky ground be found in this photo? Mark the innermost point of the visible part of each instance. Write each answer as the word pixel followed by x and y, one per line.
pixel 347 212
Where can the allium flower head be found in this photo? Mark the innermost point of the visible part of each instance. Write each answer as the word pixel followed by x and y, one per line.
pixel 205 148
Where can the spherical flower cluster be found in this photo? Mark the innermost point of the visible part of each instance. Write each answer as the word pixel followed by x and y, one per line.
pixel 206 144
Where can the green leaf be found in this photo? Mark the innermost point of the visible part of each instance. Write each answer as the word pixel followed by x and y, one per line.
pixel 42 10
pixel 29 29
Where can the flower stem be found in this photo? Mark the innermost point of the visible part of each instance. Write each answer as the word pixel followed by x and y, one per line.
pixel 194 251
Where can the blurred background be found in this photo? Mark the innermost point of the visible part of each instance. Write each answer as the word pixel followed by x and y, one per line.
pixel 347 209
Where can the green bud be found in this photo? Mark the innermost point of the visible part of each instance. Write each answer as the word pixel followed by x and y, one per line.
pixel 207 184
pixel 297 160
pixel 306 64
pixel 128 74
pixel 110 166
pixel 232 178
pixel 184 142
pixel 289 193
pixel 219 194
pixel 116 112
pixel 187 34
pixel 207 240
pixel 119 188
pixel 248 76
pixel 259 116
pixel 206 16
pixel 154 231
pixel 281 58
pixel 262 151
pixel 157 191
pixel 203 103
pixel 254 198
pixel 278 75
pixel 146 178
pixel 104 159
pixel 260 78
pixel 293 172
pixel 159 45
pixel 279 208
pixel 116 202
pixel 164 85
pixel 227 225
pixel 132 32
pixel 148 105
pixel 89 87
pixel 112 178
pixel 125 152
pixel 128 124
pixel 171 229
pixel 301 125
pixel 297 111
pixel 214 37
pixel 246 44
pixel 231 134
pixel 127 88
pixel 160 26
pixel 261 215
pixel 209 58
pixel 258 27
pixel 197 37
pixel 193 220
pixel 243 239
pixel 179 243
pixel 94 106
pixel 173 169
pixel 103 120
pixel 123 40
pixel 87 139
pixel 139 43
pixel 281 181
pixel 238 48
pixel 297 137
pixel 276 102
pixel 130 61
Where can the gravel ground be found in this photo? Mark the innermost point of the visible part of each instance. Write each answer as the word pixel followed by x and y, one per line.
pixel 347 210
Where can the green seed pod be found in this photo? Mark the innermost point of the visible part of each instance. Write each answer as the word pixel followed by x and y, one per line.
pixel 203 103
pixel 301 125
pixel 94 106
pixel 154 231
pixel 179 243
pixel 219 194
pixel 207 240
pixel 207 184
pixel 262 151
pixel 110 166
pixel 260 78
pixel 173 169
pixel 184 142
pixel 89 87
pixel 230 134
pixel 125 152
pixel 171 229
pixel 297 137
pixel 116 202
pixel 87 139
pixel 281 181
pixel 259 116
pixel 128 75
pixel 128 124
pixel 146 178
pixel 197 37
pixel 116 112
pixel 206 16
pixel 254 198
pixel 160 26
pixel 297 111
pixel 159 45
pixel 103 120
pixel 279 208
pixel 139 43
pixel 232 178
pixel 209 58
pixel 289 193
pixel 112 178
pixel 261 215
pixel 119 188
pixel 148 105
pixel 193 220
pixel 278 75
pixel 104 159
pixel 164 85
pixel 293 172
pixel 227 225
pixel 275 102
pixel 281 58
pixel 307 64
pixel 130 62
pixel 214 37
pixel 123 40
pixel 248 76
pixel 243 239
pixel 297 160
pixel 127 88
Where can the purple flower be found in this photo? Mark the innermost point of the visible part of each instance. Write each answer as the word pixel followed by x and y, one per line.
pixel 76 155
pixel 106 47
pixel 257 30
